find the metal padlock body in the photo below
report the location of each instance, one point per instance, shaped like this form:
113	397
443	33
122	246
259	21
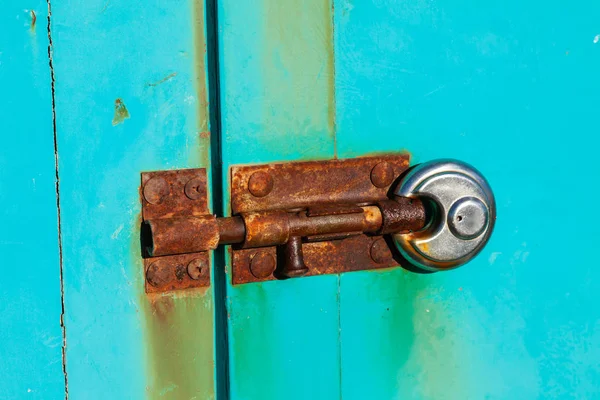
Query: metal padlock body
463	213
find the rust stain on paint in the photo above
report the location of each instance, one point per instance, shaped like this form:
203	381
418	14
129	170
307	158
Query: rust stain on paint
180	345
121	112
33	20
298	68
201	81
180	325
178	340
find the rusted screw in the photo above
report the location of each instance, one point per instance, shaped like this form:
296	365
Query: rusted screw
262	264
260	184
196	268
195	189
380	251
382	174
156	189
180	271
158	274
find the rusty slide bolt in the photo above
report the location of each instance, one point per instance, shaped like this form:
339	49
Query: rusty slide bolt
293	264
169	236
402	215
181	235
266	228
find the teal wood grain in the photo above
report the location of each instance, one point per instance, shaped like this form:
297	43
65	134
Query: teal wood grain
130	97
30	299
511	87
276	80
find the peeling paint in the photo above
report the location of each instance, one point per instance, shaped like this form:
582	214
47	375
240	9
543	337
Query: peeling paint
163	80
201	82
121	112
33	20
298	68
180	345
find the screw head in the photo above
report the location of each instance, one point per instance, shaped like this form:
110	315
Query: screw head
196	268
382	174
156	189
262	264
158	274
260	184
195	189
380	251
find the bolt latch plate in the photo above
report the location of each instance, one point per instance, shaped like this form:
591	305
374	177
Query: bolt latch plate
174	194
320	188
298	185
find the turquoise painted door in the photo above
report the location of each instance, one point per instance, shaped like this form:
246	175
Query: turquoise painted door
510	87
31	332
131	95
99	91
96	92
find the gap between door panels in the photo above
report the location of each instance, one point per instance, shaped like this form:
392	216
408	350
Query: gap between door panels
217	191
216	195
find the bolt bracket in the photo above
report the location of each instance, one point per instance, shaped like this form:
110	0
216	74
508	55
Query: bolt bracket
288	220
174	195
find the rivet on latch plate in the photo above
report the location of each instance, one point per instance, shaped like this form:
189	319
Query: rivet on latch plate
158	273
382	174
380	251
174	258
262	264
156	189
260	184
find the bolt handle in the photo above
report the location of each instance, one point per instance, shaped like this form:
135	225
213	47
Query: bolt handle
463	212
293	263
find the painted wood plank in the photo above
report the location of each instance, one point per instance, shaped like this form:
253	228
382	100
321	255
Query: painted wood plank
276	80
131	96
30	297
511	88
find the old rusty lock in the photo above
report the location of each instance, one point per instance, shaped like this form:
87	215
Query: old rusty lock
440	214
461	213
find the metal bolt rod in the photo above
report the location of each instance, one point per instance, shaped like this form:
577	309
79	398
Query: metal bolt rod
277	227
367	221
231	230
